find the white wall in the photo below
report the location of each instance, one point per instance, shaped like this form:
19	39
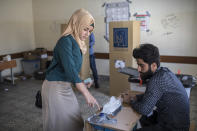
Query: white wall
21	31
16	28
48	17
172	26
172	29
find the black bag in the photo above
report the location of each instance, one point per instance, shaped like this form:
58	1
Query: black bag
38	102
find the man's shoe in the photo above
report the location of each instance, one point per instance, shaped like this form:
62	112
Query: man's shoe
96	85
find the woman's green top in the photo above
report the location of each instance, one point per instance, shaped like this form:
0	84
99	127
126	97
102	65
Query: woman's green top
66	62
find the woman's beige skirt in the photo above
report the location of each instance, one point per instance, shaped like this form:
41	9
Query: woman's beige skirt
60	108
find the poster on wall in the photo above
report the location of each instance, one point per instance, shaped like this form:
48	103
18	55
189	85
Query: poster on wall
145	20
120	37
116	11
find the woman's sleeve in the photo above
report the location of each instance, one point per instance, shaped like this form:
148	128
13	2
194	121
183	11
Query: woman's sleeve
65	55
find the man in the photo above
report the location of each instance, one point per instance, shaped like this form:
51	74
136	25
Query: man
163	91
92	60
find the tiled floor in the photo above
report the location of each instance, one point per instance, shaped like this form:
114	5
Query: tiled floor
18	112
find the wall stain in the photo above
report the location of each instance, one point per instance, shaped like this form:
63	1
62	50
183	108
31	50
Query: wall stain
170	21
168	33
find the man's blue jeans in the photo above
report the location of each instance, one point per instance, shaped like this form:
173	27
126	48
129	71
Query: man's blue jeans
93	68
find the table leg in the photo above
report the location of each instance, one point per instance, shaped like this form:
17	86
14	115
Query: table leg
0	77
88	127
12	76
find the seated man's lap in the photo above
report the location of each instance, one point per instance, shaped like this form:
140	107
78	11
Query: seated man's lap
150	123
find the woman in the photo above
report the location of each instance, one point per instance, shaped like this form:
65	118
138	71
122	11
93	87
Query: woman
61	110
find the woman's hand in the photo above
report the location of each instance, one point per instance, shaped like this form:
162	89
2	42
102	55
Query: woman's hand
88	82
91	101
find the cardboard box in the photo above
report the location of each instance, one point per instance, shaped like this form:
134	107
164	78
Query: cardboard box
85	69
124	37
126	121
30	56
43	64
118	81
63	27
40	51
133	38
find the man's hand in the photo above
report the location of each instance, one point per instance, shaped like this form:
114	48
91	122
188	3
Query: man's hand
88	82
127	98
133	98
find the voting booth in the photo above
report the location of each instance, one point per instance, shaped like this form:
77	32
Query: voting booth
124	37
85	69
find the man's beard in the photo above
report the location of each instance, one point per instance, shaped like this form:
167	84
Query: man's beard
146	75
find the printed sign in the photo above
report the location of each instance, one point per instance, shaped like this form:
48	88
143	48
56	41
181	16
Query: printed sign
120	37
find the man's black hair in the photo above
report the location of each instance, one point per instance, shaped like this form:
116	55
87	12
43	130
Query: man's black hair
148	53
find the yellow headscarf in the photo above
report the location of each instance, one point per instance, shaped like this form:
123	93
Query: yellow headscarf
78	21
